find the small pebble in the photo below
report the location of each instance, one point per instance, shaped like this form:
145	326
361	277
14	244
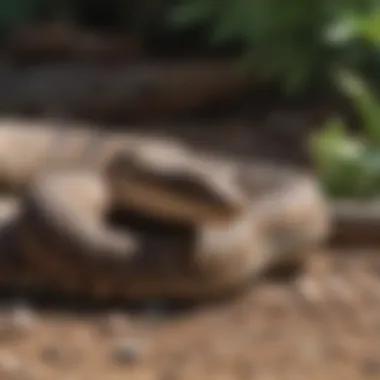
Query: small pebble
126	353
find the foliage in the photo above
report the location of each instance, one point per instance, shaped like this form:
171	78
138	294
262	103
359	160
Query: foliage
16	13
296	41
349	166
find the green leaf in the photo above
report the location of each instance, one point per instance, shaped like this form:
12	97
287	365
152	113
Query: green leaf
333	144
365	103
341	162
368	27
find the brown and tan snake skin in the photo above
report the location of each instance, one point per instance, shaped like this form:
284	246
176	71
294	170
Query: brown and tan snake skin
197	225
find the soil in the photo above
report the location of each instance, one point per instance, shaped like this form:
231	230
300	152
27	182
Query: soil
323	323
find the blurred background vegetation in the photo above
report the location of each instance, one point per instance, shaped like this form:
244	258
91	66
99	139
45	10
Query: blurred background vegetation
298	45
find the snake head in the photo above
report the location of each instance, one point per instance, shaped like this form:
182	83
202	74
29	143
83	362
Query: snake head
170	182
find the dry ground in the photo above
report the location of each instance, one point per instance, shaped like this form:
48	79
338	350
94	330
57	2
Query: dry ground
322	324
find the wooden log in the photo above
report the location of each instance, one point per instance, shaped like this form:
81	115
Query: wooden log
53	42
137	93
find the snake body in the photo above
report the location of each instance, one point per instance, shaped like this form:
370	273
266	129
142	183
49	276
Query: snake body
214	222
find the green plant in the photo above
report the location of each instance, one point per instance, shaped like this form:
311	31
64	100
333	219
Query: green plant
348	165
295	42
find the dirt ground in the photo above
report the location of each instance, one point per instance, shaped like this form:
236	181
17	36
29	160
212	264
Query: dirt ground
323	323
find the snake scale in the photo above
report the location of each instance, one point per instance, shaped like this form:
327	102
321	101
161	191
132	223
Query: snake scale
198	225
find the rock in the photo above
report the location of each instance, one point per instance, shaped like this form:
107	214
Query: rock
57	41
127	353
140	93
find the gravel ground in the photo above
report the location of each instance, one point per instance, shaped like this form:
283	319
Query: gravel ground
322	324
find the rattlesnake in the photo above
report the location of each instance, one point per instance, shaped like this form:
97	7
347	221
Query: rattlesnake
231	218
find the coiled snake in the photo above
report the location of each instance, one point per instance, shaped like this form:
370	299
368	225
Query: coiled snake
196	225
